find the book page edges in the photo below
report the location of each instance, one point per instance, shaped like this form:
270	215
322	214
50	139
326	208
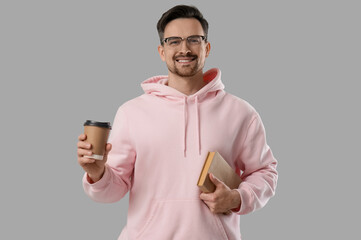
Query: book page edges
204	173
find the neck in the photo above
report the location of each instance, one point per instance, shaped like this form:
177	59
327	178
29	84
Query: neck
186	85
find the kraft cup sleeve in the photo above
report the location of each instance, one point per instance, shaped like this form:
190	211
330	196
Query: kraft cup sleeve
95	156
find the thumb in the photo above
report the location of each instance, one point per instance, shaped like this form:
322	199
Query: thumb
215	180
107	149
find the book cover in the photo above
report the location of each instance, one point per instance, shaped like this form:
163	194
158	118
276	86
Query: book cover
219	167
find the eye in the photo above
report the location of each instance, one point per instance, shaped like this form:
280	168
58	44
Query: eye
175	41
194	40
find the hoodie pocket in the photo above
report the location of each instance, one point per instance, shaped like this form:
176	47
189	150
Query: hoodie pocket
181	219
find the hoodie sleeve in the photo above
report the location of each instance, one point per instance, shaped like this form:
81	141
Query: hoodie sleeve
115	182
259	169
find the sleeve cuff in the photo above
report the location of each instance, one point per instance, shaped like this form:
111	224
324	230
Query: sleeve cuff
246	196
101	184
239	207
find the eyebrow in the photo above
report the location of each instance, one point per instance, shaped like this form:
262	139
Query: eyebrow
195	35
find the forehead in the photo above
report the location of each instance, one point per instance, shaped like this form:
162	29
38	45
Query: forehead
183	27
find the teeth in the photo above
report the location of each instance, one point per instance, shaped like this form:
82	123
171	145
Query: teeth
184	61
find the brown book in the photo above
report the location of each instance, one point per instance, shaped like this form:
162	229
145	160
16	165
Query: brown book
216	165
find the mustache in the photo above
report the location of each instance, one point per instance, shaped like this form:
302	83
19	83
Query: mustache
185	56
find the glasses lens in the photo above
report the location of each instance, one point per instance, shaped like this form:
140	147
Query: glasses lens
174	41
194	40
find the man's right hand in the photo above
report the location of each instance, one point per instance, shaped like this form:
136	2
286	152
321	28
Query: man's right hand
94	168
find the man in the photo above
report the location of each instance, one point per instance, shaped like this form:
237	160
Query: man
160	140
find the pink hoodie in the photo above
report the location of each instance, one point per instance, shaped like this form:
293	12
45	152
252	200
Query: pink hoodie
160	141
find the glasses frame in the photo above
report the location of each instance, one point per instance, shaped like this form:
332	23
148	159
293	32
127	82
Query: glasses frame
165	40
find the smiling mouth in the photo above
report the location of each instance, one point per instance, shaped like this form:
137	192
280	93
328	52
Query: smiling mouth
185	60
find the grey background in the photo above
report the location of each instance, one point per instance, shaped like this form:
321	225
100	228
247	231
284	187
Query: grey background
296	62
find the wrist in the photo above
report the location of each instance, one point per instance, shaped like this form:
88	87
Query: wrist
236	201
93	178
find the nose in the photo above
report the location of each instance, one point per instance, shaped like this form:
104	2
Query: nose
183	48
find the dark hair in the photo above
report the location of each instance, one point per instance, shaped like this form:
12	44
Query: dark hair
180	11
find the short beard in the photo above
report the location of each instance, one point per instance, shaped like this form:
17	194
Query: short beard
190	73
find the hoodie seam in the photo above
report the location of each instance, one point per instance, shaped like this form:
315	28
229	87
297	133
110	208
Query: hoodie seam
248	129
129	132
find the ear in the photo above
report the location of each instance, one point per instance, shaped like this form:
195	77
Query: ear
208	49
161	52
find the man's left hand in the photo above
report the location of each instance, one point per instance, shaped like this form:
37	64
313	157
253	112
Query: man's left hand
223	199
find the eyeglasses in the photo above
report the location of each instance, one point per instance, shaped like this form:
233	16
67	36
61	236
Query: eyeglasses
191	40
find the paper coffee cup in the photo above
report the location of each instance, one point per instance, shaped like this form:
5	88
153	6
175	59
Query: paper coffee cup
97	135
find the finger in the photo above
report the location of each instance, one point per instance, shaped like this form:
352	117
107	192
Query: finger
206	197
108	147
214	209
209	204
215	180
84	152
83	161
84	145
82	137
203	197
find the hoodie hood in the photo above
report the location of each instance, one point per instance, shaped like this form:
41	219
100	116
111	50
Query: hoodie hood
157	86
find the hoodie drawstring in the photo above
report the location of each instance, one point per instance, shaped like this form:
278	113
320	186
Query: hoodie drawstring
185	106
185	126
198	127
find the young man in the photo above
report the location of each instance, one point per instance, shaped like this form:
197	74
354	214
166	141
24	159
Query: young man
160	140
